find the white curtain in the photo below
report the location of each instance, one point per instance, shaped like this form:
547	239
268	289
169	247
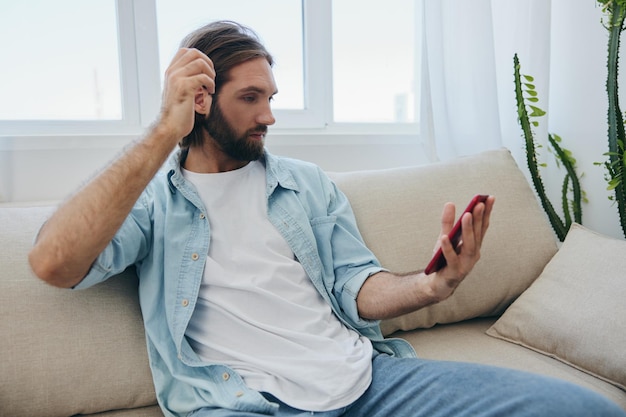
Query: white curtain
468	72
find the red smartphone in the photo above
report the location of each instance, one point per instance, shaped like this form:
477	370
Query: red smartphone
439	261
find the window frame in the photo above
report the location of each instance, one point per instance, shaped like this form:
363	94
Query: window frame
141	85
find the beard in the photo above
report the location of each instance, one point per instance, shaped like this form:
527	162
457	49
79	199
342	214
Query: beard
240	148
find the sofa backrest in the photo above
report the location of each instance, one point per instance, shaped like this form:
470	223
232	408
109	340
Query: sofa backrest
399	214
65	352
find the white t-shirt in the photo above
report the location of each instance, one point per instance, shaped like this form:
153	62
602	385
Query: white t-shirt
259	313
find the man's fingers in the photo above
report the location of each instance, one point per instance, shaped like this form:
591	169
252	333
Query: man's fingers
447	222
481	215
193	65
477	224
447	218
491	200
188	79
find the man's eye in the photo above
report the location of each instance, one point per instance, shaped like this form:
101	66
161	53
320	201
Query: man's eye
249	99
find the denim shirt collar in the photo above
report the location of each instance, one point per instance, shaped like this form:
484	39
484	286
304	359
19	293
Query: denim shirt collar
276	174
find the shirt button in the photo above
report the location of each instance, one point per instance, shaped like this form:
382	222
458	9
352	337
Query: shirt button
194	256
185	302
225	376
239	394
201	216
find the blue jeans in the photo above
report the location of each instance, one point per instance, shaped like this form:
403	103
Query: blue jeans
417	387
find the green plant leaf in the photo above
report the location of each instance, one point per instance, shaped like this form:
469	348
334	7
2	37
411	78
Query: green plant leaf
528	78
537	112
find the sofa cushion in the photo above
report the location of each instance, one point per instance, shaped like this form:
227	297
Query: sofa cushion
399	214
467	342
65	352
575	310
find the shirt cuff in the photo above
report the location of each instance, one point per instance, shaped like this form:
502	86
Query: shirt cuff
350	293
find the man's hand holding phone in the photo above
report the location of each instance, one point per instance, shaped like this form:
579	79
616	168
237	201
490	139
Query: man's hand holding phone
438	261
459	244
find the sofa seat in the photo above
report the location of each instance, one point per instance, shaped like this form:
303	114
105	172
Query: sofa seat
467	342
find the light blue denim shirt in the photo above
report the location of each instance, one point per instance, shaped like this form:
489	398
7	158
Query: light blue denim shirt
167	237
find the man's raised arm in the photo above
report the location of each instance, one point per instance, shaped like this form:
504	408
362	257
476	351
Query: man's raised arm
80	229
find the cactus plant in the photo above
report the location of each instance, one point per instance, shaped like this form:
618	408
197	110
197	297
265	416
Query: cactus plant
526	98
616	163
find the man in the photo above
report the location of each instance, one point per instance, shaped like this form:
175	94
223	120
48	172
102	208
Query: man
258	294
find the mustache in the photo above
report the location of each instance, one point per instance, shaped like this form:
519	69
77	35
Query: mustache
258	129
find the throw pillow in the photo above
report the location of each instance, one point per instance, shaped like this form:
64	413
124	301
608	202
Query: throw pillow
575	310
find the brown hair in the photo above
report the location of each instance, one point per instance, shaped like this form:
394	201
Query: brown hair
227	44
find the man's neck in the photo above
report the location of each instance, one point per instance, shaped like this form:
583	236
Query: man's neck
209	160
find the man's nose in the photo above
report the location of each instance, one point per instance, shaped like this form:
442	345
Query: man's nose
266	117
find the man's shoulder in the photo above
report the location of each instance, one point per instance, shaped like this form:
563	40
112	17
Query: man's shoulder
297	168
291	171
159	182
290	163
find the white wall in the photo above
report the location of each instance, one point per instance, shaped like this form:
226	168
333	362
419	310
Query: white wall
35	169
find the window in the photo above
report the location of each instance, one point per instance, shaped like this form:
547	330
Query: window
70	68
60	61
374	61
341	65
281	31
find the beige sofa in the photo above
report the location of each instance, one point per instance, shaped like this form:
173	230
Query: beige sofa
66	353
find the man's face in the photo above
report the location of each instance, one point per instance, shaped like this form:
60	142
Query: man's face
241	111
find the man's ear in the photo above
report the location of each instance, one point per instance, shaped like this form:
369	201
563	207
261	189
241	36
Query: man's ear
202	101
